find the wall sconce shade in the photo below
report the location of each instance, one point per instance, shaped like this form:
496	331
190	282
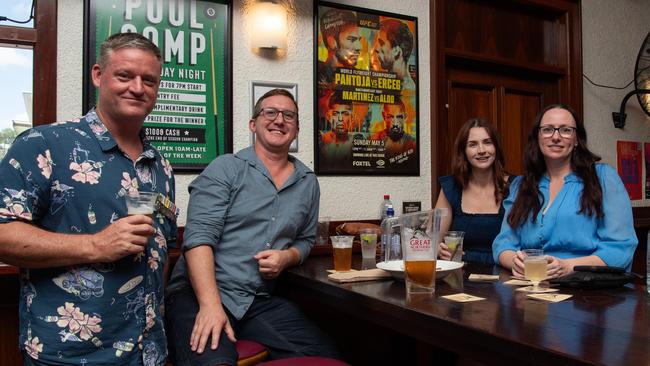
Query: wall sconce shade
269	26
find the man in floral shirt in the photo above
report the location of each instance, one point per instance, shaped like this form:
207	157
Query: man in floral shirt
91	276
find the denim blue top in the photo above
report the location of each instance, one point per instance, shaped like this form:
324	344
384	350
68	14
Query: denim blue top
71	178
236	209
563	232
480	229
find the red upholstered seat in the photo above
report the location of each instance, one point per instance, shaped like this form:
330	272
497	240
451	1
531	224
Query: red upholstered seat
305	361
250	352
248	348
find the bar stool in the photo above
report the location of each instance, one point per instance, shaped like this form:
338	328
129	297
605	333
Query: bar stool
304	361
250	352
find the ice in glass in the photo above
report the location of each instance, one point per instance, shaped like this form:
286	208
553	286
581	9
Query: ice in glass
454	241
368	243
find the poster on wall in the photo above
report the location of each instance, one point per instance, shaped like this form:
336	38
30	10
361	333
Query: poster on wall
191	123
628	156
366	92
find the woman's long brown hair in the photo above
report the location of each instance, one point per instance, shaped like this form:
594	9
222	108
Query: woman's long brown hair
583	163
462	169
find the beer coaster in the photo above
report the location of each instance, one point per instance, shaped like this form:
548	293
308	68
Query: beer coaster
335	271
517	282
550	297
475	277
462	297
539	290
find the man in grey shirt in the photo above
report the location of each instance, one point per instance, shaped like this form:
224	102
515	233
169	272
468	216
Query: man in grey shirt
250	216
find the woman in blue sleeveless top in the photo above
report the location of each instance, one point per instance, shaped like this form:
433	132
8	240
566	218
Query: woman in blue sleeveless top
474	192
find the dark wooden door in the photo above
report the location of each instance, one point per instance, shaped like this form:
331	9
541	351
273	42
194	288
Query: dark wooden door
502	61
509	102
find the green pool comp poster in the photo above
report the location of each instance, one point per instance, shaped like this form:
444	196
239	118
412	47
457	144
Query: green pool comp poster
191	122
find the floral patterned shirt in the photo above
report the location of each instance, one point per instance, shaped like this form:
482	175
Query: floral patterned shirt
72	178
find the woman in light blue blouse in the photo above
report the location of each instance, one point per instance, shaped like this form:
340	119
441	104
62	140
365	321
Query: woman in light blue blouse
573	208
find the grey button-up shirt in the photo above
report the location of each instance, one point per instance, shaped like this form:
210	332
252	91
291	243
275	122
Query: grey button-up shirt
236	208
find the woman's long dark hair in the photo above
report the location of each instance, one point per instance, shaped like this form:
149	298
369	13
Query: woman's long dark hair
583	163
462	169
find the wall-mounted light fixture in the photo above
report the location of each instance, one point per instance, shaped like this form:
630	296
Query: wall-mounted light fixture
619	117
641	84
269	25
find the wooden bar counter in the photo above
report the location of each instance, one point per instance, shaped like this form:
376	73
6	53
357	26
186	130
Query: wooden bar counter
610	327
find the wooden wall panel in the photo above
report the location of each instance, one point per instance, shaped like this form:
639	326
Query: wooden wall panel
519	110
465	101
44	105
469	101
9	352
505	30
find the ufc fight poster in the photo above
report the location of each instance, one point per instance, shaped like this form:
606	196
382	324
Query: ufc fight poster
366	92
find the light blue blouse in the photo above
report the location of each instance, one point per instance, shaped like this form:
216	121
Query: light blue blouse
564	233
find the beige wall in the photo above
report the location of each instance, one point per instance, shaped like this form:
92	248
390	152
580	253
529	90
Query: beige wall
612	33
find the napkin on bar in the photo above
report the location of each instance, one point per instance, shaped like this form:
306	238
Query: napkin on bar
356	276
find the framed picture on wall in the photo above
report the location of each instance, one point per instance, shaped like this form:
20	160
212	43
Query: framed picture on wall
258	88
191	123
366	91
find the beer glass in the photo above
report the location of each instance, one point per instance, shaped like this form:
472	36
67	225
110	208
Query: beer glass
534	266
420	233
342	252
141	203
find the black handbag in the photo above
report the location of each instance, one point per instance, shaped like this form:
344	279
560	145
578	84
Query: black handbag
595	277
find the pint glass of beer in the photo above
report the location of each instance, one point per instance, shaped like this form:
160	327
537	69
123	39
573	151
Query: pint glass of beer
342	250
420	233
141	203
